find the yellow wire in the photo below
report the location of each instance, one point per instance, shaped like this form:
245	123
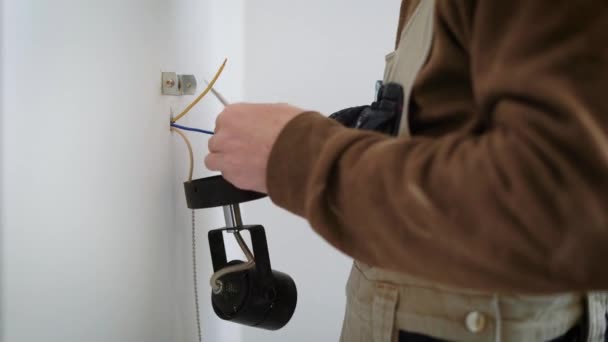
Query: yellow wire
189	151
200	97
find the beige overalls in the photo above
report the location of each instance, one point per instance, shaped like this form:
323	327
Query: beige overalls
380	303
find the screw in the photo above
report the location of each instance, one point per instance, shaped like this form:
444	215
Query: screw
169	83
188	85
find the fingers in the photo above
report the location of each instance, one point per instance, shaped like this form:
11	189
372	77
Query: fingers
226	115
233	112
219	162
219	121
212	143
213	162
216	144
222	142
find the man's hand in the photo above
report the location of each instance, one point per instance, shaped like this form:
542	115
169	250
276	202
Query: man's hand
244	136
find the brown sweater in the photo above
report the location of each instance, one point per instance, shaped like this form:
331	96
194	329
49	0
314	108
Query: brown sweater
504	184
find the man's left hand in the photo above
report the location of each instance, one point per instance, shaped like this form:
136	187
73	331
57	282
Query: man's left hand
244	137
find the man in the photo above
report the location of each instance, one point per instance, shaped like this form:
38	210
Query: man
487	218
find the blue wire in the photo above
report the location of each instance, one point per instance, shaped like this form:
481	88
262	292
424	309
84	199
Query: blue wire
191	129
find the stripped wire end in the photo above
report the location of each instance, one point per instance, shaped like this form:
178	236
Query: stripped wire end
200	97
217	95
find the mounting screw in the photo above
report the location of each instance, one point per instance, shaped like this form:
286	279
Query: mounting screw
177	85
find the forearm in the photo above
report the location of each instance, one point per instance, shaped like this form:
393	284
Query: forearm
478	212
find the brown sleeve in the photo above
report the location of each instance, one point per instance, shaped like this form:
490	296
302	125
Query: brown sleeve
517	203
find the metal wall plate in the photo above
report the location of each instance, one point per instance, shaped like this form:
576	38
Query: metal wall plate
187	84
177	85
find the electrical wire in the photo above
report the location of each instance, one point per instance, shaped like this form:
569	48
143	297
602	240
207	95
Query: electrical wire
190	154
191	129
216	284
217	95
200	97
243	245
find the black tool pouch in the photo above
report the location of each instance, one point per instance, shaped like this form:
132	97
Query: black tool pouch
383	115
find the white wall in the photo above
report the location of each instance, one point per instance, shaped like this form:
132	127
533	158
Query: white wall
2	21
103	253
94	235
87	178
322	55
